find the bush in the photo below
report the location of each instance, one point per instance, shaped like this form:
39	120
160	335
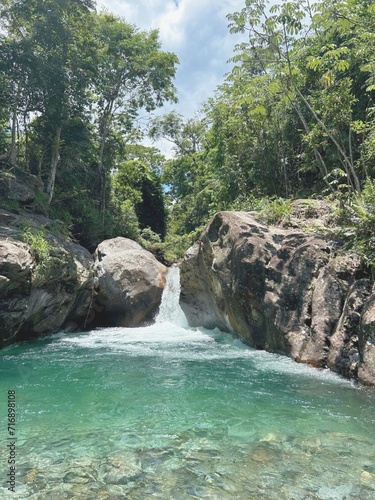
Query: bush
41	248
277	211
358	224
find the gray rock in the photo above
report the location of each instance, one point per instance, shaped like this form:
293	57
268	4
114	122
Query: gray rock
283	290
19	186
65	291
36	299
366	371
130	283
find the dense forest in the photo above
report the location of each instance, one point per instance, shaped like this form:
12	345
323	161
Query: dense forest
295	118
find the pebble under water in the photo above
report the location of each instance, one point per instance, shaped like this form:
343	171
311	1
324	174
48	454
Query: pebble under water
171	412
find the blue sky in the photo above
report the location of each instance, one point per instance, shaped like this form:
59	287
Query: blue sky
195	30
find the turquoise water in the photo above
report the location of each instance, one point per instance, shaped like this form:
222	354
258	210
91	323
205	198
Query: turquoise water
169	412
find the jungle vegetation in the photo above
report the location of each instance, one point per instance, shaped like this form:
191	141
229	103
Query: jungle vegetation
294	118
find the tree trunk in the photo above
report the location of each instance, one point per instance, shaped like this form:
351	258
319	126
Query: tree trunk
26	129
318	157
101	170
13	147
346	161
54	162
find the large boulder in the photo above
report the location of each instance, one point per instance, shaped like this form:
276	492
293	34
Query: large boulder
130	283
19	186
40	295
283	290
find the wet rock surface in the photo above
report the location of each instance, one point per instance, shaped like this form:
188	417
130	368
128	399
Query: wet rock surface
282	290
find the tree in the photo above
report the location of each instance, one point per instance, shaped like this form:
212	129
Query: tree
187	138
132	73
137	186
45	44
280	42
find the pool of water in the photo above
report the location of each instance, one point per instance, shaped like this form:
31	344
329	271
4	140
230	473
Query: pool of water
170	412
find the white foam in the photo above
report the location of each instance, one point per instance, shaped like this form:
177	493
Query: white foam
171	338
173	342
170	310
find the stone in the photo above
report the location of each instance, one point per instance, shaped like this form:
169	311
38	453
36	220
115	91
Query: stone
130	283
366	371
123	469
283	290
19	186
344	353
35	299
66	292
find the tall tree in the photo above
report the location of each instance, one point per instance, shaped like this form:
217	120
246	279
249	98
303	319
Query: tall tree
280	37
133	72
137	181
45	44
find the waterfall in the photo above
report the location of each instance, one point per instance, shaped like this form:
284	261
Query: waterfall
170	310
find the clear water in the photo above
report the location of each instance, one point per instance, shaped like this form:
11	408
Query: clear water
169	412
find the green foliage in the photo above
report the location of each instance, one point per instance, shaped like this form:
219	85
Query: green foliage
127	221
295	117
175	246
137	181
250	203
147	234
41	248
38	243
358	224
40	202
11	205
276	211
72	83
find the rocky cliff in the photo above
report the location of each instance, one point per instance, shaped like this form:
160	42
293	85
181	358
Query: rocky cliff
48	282
284	290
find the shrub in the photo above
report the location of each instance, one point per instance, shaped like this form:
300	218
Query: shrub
358	224
41	248
277	211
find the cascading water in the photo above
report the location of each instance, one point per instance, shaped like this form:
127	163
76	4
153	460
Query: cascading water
172	412
170	310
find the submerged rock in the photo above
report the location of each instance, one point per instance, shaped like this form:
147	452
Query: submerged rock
282	290
130	283
122	469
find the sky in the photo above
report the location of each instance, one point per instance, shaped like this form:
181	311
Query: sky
196	31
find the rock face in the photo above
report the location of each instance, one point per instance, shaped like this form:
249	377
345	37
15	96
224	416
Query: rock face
366	371
282	290
40	296
130	283
66	288
19	186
